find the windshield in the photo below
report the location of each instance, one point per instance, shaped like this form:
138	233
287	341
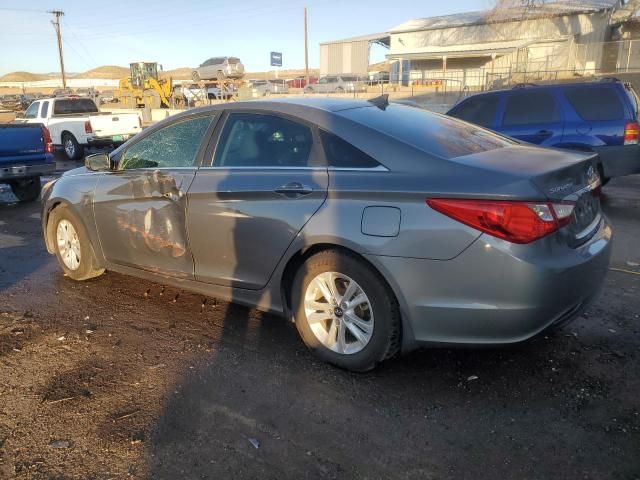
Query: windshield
432	133
233	60
74	105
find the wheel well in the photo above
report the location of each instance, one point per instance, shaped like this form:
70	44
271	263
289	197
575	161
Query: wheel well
296	261
67	132
48	231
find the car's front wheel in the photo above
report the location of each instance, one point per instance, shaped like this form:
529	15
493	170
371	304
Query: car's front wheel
344	311
72	245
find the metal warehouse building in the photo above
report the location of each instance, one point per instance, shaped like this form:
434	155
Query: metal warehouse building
480	48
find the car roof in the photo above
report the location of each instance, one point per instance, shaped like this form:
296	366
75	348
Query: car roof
310	103
528	87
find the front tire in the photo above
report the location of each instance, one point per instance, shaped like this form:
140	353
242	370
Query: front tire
72	148
26	189
345	312
71	244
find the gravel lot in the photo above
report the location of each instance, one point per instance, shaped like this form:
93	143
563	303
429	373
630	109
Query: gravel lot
122	378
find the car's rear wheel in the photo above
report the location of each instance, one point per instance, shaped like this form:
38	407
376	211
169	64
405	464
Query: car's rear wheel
339	90
26	189
72	148
72	245
195	76
344	311
308	90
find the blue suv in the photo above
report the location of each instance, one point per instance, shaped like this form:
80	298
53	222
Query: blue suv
597	117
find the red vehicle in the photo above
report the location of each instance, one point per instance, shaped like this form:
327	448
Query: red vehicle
300	82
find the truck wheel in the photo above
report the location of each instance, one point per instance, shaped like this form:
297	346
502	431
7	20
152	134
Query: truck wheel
71	244
26	189
195	76
72	148
344	311
220	75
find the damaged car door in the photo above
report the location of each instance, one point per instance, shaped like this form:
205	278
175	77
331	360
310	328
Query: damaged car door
140	207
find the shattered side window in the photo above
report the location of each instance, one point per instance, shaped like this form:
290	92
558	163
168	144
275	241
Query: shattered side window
174	146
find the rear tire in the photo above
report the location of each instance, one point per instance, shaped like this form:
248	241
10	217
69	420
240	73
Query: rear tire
71	245
26	189
369	316
72	148
195	76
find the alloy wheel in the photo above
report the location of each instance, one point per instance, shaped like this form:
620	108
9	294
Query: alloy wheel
339	313
69	148
68	244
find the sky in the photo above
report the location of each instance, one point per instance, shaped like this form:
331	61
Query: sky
184	34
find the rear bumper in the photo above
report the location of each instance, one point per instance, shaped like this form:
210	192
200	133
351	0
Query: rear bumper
106	141
17	171
496	292
621	160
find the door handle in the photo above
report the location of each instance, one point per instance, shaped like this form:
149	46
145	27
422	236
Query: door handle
294	189
544	133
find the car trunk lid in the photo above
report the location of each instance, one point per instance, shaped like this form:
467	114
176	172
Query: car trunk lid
563	177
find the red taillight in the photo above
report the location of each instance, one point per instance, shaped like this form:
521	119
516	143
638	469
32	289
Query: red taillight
631	133
87	127
516	222
46	138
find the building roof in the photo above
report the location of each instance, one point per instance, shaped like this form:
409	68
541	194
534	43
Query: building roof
560	7
374	37
465	50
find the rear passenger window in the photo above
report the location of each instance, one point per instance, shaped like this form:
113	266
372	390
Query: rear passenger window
44	110
255	140
595	103
341	154
479	110
530	108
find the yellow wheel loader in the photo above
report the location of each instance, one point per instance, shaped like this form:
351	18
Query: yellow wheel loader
143	88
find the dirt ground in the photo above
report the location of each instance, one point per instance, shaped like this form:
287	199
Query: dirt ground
122	378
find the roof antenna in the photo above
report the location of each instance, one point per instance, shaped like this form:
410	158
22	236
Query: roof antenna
382	101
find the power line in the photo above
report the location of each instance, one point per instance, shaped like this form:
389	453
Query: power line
80	43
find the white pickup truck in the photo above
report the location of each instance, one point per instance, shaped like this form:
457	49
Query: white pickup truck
76	123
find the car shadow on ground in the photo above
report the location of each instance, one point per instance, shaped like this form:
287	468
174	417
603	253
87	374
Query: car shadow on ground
21	252
265	408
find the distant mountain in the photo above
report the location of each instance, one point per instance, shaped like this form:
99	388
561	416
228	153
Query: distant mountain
113	72
23	77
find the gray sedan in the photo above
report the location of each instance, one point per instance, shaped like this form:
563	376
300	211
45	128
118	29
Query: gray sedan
377	227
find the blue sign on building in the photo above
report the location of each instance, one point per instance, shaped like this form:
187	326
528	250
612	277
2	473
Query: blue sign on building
276	59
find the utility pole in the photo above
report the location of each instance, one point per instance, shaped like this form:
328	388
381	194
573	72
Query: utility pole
306	50
56	25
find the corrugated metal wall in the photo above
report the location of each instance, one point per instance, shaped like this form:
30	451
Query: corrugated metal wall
347	57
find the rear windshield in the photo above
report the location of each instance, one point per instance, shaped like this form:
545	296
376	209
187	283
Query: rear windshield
595	103
432	133
75	105
233	60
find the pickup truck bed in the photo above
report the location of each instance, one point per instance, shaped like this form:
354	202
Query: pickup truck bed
25	155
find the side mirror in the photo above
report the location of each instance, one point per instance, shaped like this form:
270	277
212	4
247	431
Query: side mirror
160	67
98	162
